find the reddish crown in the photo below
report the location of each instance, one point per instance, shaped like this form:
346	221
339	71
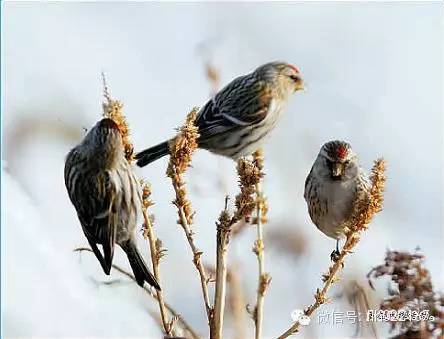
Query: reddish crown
341	152
294	68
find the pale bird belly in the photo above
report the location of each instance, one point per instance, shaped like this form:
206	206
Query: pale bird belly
253	137
340	199
128	204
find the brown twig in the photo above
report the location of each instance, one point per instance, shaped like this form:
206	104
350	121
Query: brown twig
223	238
249	176
181	150
263	277
156	254
175	315
359	224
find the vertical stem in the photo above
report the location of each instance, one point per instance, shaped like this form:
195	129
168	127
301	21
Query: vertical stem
155	260
197	262
221	281
259	246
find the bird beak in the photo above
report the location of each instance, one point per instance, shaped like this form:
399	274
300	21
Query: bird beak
337	169
300	85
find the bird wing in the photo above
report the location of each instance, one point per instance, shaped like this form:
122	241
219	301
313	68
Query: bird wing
243	102
93	197
311	197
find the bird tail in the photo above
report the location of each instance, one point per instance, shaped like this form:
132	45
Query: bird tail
152	154
139	267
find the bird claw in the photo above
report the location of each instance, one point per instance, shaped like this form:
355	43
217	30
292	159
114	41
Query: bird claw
334	256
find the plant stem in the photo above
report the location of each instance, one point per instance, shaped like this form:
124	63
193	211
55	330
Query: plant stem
155	257
259	249
197	262
223	238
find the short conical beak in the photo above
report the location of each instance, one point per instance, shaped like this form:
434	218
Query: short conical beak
337	169
300	85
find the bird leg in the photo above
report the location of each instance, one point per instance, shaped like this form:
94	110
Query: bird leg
334	256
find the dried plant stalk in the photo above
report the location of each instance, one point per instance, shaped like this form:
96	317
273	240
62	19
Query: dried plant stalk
263	277
156	254
223	238
174	314
181	149
249	176
359	224
112	109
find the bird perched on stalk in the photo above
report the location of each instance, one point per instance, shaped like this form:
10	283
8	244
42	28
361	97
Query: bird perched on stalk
236	120
334	189
106	196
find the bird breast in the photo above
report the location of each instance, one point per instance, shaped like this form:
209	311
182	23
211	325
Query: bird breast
338	198
127	201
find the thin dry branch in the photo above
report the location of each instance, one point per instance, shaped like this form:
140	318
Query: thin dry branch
223	238
181	149
174	314
264	278
249	176
156	254
359	224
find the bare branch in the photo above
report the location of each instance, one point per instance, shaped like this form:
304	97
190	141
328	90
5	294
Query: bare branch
181	150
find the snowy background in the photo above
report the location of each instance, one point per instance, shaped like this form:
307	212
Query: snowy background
374	73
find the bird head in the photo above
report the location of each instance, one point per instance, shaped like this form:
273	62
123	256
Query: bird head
287	77
104	141
337	161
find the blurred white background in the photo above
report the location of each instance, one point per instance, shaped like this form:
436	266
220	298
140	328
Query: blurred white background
374	73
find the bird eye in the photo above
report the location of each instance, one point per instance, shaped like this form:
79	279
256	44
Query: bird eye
329	163
294	77
346	162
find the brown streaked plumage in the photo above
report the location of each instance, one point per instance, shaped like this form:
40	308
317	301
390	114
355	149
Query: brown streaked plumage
106	195
236	120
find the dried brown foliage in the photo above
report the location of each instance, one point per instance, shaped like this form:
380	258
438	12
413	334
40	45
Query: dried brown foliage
182	148
410	289
113	109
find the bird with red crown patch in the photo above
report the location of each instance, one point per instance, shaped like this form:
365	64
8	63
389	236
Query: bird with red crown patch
333	189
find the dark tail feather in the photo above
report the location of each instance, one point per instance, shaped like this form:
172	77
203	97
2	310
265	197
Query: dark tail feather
152	154
138	265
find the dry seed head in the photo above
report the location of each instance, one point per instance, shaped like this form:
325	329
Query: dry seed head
249	176
112	109
371	206
184	144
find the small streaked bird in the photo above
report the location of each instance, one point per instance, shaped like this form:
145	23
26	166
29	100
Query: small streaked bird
236	120
106	195
334	189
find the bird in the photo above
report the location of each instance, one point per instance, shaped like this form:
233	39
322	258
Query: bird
334	190
105	192
235	121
